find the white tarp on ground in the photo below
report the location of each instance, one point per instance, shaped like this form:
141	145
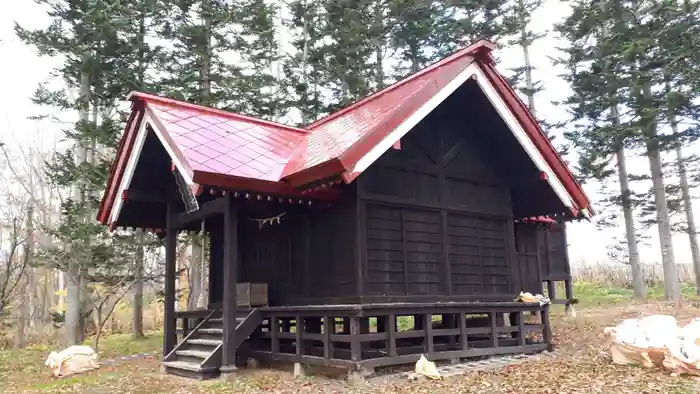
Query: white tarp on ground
72	360
657	341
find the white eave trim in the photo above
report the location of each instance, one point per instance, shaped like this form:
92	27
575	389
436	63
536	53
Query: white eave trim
517	129
133	161
502	109
408	124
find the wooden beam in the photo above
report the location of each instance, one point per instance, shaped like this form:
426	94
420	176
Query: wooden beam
217	206
169	334
141	196
228	356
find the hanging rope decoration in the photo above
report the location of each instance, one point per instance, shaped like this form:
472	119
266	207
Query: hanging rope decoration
271	220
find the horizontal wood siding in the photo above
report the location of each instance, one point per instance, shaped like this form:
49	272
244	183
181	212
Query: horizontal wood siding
423	251
478	254
527	237
386	258
403	251
554	260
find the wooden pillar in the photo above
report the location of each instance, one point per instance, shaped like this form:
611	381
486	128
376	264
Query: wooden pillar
463	340
216	260
169	332
429	346
228	355
547	328
390	327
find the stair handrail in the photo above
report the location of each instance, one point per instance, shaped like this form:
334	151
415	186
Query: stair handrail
216	353
184	340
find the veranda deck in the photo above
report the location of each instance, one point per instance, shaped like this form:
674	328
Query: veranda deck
362	337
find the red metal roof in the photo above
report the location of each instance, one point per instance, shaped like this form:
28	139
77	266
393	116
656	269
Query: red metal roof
228	150
219	142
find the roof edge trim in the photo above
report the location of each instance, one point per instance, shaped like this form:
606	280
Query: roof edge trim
129	171
122	156
170	147
171	102
518	130
367	159
481	45
553	158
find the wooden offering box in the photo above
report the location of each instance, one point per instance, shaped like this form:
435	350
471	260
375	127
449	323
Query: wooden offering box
251	294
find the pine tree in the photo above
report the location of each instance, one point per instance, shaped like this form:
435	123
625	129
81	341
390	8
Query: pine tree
200	32
90	37
348	52
519	19
597	77
678	42
642	55
256	85
304	69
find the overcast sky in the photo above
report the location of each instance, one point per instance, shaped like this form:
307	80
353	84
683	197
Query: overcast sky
21	70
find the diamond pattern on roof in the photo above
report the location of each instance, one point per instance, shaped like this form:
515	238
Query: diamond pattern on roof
229	145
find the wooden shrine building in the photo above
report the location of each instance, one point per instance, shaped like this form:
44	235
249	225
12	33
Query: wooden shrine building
404	224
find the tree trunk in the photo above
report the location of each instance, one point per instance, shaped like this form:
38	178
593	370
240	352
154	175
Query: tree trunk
73	318
304	61
529	84
415	66
671	286
23	311
630	231
195	273
202	298
25	292
137	317
379	43
688	208
205	76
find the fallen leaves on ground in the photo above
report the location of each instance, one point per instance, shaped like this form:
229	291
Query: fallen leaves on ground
581	364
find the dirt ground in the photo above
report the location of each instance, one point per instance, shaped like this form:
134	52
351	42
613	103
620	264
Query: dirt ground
581	364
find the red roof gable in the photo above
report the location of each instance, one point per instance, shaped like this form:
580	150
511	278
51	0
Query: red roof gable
227	150
346	134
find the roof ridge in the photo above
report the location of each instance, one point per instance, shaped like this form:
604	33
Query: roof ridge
234	115
486	44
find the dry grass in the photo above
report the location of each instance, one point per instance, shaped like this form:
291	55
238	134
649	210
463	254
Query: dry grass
580	365
620	275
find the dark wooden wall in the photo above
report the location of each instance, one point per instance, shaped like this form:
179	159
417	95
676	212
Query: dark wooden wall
309	257
542	254
437	217
554	260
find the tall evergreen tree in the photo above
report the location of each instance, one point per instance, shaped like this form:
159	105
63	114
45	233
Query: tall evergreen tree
304	69
678	43
86	36
519	21
597	77
641	53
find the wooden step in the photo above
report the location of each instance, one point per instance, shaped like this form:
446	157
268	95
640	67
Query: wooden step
193	353
214	331
183	365
205	342
219	320
189	370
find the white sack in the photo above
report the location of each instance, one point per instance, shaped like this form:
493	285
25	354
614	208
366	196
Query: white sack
72	360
